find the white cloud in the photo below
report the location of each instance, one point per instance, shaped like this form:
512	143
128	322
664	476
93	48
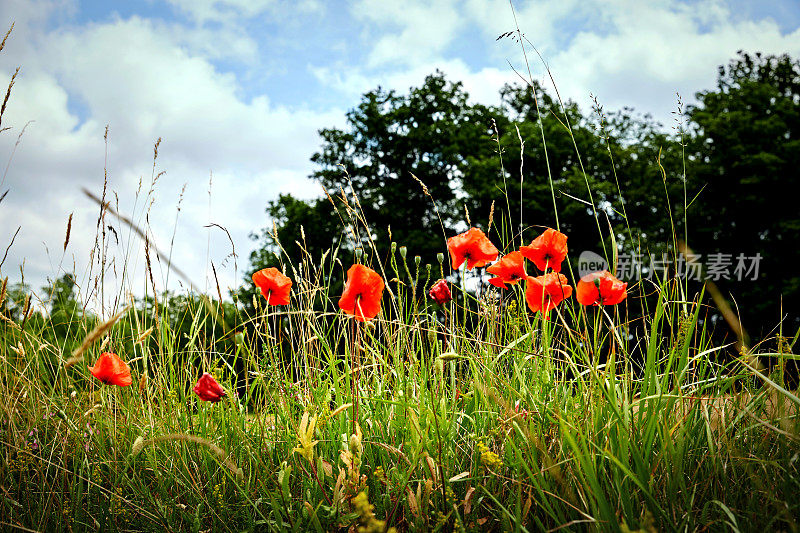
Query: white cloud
542	22
635	54
424	29
482	85
655	50
203	11
144	84
224	43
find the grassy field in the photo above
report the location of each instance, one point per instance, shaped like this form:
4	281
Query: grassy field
473	415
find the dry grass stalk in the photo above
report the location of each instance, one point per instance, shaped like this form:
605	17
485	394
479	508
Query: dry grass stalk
425	190
3	44
69	228
152	279
4	292
9	321
138	445
721	411
26	308
143	336
8	95
106	206
219	292
93	335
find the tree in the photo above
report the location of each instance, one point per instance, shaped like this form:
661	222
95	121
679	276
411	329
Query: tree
468	155
299	227
745	159
432	133
591	175
65	311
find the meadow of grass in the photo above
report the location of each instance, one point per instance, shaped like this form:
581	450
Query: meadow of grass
473	415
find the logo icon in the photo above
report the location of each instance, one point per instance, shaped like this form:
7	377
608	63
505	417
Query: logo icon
589	262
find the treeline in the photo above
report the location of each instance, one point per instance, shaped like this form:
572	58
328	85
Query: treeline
416	167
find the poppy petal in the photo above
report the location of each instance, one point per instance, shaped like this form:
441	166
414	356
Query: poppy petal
274	285
362	293
472	247
111	370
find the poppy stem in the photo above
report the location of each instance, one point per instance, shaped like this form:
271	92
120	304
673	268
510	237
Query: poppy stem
353	372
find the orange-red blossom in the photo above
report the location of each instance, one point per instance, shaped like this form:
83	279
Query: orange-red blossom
362	293
111	370
544	293
548	250
274	285
600	288
510	269
472	246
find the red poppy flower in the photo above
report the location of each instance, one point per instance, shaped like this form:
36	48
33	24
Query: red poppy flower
111	370
544	293
600	288
440	292
547	250
274	285
208	389
510	269
362	293
473	247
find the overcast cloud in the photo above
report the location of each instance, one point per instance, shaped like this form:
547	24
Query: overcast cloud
238	89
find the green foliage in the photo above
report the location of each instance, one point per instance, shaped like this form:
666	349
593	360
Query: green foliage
470	155
428	133
472	416
745	152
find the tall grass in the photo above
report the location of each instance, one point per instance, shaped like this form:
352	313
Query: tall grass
476	415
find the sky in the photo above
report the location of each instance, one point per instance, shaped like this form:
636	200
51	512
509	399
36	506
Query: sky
237	91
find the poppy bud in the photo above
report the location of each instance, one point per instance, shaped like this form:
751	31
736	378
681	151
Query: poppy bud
440	292
208	389
440	257
417	260
403	251
431	336
394	247
359	253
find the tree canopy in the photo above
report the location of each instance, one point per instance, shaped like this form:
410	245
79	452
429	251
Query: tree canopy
412	167
744	160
